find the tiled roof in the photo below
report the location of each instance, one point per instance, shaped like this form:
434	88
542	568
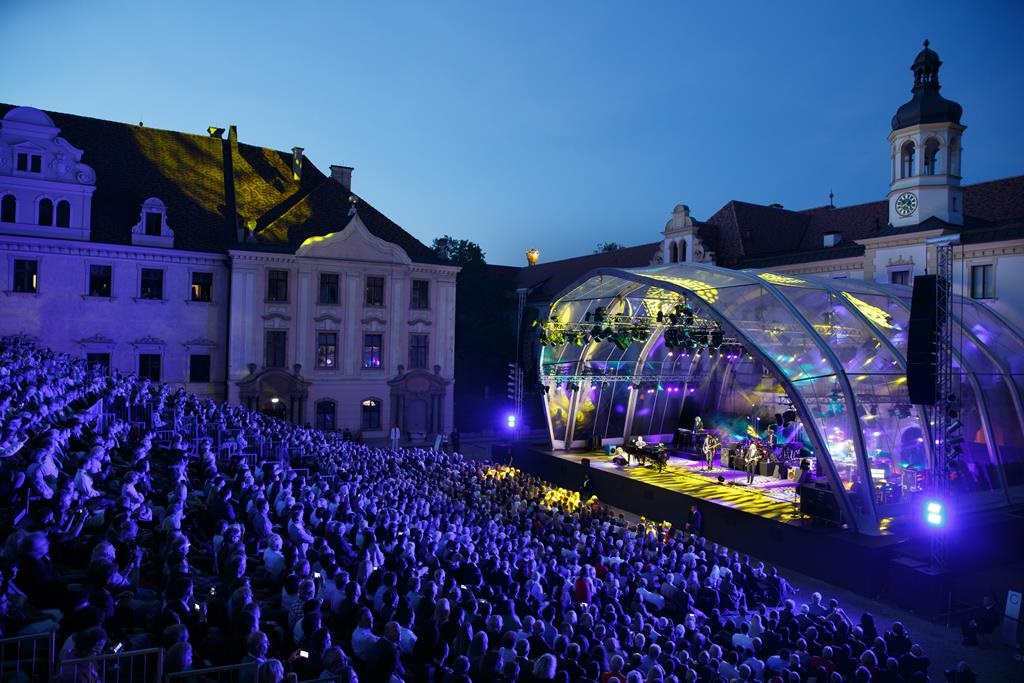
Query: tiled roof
186	172
546	279
326	209
753	235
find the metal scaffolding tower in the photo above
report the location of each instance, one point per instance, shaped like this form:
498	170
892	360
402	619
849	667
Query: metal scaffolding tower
945	418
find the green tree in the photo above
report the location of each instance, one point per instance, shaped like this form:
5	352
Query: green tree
484	339
605	247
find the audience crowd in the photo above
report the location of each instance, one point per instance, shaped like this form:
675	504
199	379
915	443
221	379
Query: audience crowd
137	516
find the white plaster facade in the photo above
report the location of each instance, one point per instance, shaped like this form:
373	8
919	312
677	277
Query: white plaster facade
63	315
353	255
165	295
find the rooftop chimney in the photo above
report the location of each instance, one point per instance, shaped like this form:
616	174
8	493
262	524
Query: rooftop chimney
343	174
296	163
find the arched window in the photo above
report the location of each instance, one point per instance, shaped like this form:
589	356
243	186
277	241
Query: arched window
931	157
63	214
907	159
954	157
682	252
46	212
370	414
673	253
9	209
325	412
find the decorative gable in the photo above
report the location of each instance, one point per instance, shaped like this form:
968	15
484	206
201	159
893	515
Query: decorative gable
152	229
45	188
353	243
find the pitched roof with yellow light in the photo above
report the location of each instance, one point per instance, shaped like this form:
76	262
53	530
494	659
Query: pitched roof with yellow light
187	172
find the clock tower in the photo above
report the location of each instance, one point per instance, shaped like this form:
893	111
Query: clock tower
926	149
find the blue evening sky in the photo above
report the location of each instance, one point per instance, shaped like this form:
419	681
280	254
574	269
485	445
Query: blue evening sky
548	124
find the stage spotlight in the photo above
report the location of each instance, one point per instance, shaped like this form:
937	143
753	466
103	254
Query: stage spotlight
953	426
599	314
935	513
660	317
510	421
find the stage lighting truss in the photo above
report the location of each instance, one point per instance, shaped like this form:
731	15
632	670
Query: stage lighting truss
681	330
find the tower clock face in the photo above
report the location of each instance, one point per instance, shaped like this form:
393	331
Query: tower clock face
906	204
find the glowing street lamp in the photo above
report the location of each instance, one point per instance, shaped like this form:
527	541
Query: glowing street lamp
532	256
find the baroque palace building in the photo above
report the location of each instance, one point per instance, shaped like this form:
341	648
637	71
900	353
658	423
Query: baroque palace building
235	271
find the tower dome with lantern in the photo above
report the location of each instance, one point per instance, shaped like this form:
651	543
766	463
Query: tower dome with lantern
926	148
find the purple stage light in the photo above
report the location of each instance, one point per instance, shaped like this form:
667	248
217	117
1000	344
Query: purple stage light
935	513
510	421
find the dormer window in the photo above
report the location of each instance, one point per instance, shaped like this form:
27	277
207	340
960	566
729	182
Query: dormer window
154	223
152	229
30	163
833	238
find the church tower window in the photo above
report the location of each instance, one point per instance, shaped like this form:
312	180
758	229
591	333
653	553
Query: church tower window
907	159
931	157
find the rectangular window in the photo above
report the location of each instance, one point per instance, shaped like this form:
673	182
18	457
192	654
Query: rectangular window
26	276
30	163
277	285
100	280
199	367
152	284
327	350
420	294
329	288
370	414
149	366
417	351
275	342
154	222
202	286
899	277
372	346
101	360
374	290
983	283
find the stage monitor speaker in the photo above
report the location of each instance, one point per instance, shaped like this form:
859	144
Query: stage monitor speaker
585	462
817	501
922	340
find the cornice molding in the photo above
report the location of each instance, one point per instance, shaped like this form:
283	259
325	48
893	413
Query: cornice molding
102	250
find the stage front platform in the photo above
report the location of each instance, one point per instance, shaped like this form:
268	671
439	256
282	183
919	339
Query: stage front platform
761	520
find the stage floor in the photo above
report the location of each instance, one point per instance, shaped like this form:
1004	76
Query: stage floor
767	497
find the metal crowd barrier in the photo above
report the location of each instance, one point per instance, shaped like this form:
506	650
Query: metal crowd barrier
221	674
135	666
28	656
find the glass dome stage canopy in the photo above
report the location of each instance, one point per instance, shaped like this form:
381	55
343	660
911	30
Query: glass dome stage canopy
641	351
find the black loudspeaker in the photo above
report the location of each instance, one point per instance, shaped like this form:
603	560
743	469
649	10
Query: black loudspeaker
922	340
916	586
818	501
585	462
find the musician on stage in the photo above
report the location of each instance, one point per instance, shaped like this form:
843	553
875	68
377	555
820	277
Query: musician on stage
698	424
710	446
751	462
